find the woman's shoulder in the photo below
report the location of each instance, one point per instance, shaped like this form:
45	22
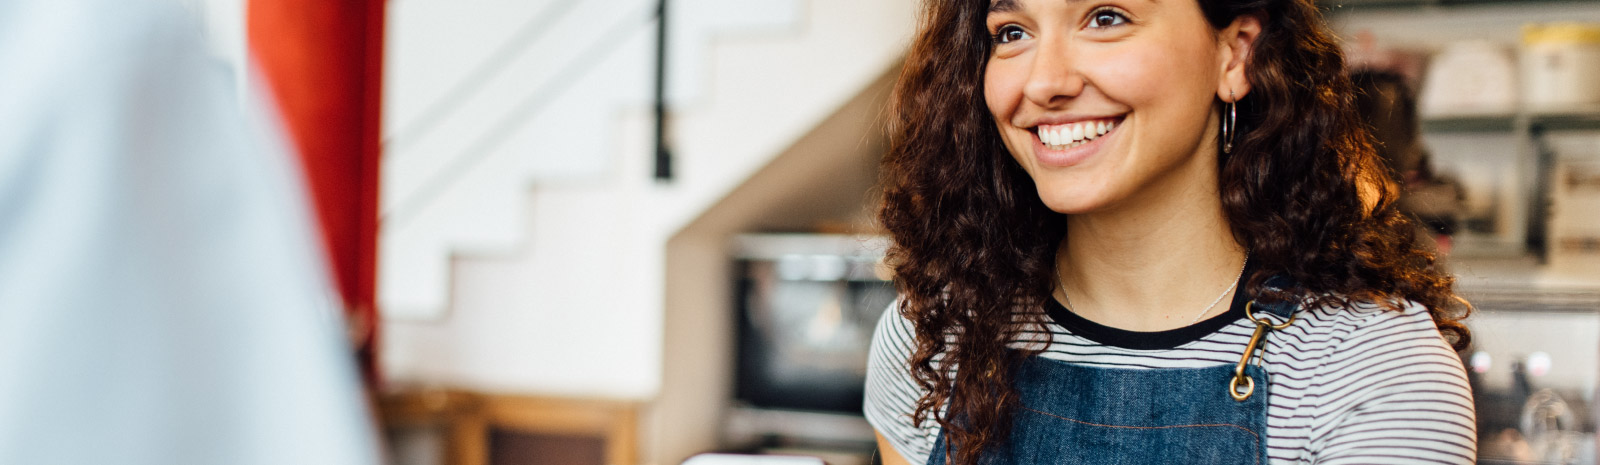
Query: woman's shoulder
1386	380
1339	340
1397	349
1344	321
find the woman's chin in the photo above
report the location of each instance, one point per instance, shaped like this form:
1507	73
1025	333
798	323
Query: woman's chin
1072	202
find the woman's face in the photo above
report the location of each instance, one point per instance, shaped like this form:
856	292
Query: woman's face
1104	102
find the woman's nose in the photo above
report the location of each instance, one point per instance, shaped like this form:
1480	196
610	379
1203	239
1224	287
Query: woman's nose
1053	78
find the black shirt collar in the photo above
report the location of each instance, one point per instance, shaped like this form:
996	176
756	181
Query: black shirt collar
1150	340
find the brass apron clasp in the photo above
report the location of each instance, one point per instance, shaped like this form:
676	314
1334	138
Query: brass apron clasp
1238	392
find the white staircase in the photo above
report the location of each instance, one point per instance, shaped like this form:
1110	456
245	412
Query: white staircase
523	239
489	98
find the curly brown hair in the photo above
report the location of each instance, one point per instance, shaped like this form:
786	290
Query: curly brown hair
1303	191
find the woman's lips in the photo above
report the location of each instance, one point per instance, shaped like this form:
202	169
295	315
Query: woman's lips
1068	144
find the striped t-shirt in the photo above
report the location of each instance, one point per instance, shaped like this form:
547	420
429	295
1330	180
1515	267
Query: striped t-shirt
1353	385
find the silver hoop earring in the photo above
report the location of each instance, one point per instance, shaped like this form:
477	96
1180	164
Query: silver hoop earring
1229	124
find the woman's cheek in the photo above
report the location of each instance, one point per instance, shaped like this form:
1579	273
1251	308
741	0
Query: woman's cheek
1002	91
1003	85
1125	75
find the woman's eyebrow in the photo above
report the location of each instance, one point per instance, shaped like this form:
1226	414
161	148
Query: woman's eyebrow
1003	6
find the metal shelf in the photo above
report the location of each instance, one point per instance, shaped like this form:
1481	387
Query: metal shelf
1458	123
1569	118
1534	299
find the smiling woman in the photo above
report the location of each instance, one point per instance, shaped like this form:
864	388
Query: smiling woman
1070	185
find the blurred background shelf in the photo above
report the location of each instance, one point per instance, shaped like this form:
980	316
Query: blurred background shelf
1575	118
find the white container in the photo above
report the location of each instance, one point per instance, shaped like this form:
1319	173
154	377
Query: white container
1560	65
1573	232
1574	235
1469	78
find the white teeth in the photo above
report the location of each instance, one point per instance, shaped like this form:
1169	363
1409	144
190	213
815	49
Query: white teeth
1073	135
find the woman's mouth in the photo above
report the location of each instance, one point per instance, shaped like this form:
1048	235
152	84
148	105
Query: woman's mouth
1064	145
1066	136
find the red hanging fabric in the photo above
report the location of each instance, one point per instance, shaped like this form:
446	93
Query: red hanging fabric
323	61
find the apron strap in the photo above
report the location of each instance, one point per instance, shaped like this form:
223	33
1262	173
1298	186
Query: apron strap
1283	310
1241	386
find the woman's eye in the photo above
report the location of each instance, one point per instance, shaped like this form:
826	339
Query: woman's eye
1106	18
1009	33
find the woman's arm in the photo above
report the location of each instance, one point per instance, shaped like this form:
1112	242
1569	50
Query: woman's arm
892	392
887	453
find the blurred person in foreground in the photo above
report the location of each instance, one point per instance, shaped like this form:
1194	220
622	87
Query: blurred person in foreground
162	300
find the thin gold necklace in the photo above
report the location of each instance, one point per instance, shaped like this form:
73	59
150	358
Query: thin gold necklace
1063	283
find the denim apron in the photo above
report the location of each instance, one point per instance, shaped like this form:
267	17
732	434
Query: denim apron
1079	414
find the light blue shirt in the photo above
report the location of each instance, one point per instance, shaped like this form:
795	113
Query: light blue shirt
162	297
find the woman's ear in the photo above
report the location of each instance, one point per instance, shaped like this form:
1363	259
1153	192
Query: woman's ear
1236	43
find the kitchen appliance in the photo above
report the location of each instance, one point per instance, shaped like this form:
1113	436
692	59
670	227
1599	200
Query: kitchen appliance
807	306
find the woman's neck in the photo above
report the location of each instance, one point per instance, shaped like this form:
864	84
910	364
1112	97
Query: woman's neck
1150	265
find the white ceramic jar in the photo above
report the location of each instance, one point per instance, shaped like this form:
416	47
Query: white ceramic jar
1467	78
